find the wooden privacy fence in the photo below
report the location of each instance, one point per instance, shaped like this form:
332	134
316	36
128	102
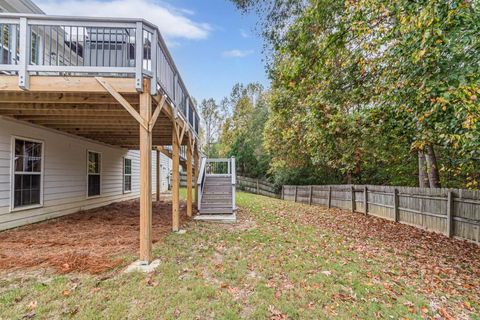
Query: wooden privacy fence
257	186
453	212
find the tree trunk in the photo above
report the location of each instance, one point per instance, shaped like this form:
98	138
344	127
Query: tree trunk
349	177
433	175
422	171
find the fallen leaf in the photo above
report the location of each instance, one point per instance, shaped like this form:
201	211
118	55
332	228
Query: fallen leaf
32	305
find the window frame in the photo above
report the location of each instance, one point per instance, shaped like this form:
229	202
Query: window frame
127	175
13	173
99	174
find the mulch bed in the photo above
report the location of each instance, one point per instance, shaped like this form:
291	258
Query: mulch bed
91	241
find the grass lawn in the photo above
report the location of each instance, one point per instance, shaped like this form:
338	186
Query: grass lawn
282	260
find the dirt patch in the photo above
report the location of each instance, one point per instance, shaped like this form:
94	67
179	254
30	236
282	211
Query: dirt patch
92	241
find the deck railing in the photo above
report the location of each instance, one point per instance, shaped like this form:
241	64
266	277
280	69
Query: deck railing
82	46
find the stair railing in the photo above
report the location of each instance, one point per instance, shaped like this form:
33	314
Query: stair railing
219	167
201	181
233	172
216	167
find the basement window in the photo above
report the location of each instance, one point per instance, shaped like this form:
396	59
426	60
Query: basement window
28	172
127	175
94	173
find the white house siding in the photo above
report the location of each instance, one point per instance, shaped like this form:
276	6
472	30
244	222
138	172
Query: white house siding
65	174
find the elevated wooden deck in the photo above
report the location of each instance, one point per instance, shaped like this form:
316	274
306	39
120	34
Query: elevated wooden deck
109	80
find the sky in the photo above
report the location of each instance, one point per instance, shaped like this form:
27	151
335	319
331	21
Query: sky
214	46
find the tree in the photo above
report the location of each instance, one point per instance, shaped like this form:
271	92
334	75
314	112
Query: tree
211	115
242	130
372	89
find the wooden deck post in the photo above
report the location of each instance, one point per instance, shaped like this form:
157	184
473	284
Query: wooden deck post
145	176
175	177
189	178
159	167
196	168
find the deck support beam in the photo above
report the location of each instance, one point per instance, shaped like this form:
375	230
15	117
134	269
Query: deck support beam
124	103
189	176
145	176
175	177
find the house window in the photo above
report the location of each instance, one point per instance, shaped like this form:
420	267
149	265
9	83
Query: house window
94	162
35	48
127	175
27	173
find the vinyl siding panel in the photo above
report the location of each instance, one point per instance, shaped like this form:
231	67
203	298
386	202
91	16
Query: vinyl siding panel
65	174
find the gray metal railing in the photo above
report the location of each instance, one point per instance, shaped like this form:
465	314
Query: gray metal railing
81	46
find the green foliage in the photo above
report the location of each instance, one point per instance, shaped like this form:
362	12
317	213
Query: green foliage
212	117
359	87
242	131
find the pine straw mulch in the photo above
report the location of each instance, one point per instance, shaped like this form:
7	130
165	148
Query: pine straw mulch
91	241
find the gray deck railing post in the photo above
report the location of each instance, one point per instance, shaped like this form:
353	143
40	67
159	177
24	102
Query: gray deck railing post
153	86
139	56
450	208
24	48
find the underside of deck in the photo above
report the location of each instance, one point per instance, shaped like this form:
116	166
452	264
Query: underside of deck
111	111
81	106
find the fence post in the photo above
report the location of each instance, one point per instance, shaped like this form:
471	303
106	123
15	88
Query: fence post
329	197
395	205
257	186
353	198
310	197
365	200
296	187
283	192
450	208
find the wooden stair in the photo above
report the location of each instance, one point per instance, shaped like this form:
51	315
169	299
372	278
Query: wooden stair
217	203
217	195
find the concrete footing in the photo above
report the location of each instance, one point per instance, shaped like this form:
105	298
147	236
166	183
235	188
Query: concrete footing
143	266
219	218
